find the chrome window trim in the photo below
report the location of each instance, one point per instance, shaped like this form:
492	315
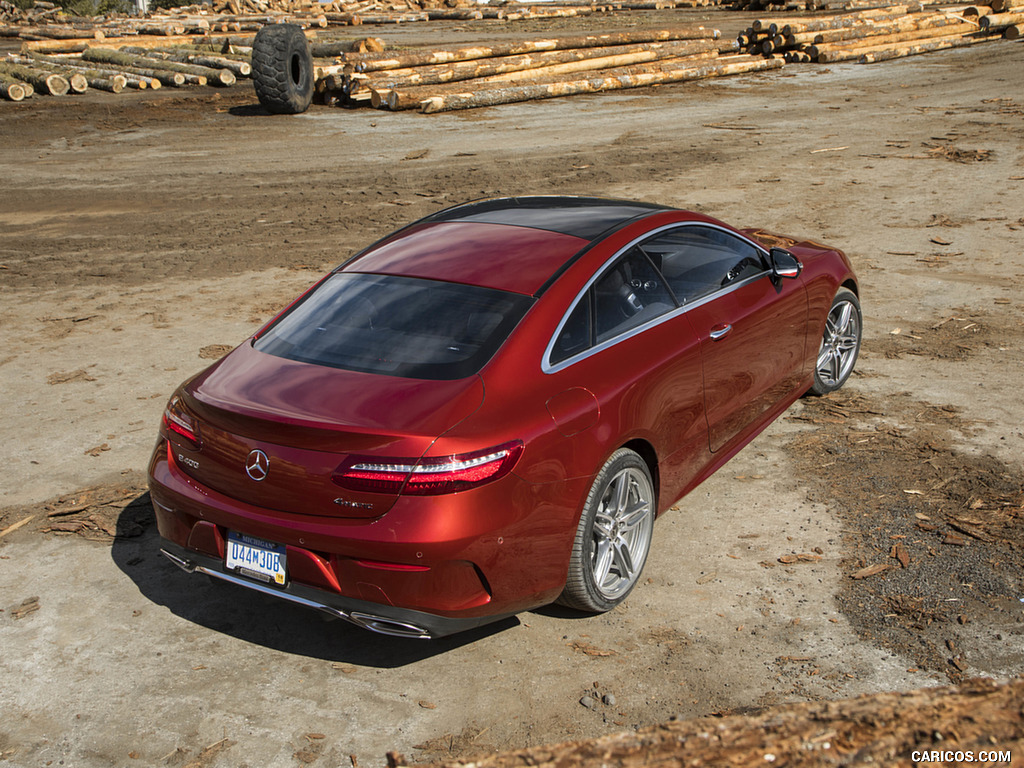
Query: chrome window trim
548	367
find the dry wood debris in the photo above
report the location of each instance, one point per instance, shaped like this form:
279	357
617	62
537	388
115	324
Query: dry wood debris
880	729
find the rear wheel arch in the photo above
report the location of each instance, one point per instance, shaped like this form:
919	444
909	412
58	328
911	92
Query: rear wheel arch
613	535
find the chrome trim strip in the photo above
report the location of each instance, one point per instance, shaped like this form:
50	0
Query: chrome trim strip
379	624
546	366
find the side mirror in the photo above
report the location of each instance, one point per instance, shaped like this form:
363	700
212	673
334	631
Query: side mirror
785	264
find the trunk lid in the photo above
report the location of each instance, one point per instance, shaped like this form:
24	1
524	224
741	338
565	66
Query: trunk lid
306	420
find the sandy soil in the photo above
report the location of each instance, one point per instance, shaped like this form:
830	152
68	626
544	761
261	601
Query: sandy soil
142	234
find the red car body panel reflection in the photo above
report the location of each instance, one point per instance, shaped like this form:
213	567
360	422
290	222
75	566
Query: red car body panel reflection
428	565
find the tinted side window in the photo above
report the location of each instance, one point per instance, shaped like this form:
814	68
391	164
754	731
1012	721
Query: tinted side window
627	295
697	261
575	336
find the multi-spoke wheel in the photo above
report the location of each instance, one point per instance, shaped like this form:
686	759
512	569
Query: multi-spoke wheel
839	344
614	535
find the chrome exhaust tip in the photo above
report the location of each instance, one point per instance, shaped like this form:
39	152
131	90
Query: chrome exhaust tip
379	624
388	626
186	565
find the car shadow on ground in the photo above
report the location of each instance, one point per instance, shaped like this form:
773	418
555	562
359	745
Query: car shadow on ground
258	618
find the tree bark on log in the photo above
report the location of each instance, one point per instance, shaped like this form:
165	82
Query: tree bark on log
374	63
518	93
209	63
588	65
868	30
468	70
939	44
152	68
827	53
13	89
44	82
1014	32
398	99
98	79
78	46
848	20
125	61
998	21
160	60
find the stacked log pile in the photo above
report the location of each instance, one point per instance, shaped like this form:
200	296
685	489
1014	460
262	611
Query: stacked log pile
879	35
111	70
46	21
485	75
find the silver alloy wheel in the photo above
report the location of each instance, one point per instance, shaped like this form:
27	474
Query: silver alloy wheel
622	532
839	344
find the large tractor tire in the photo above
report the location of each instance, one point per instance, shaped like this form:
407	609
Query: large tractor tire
282	69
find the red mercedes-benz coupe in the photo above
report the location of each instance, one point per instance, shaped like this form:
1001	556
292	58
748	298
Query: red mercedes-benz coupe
485	411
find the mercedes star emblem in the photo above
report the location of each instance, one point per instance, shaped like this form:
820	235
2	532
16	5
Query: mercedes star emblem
257	465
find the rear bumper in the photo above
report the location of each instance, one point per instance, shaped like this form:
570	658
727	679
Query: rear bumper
440	565
386	620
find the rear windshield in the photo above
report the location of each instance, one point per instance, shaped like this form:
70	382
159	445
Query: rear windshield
400	326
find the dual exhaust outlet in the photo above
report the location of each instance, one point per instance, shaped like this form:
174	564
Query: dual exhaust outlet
379	624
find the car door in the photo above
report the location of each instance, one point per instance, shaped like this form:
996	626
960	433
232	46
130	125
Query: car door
751	326
628	342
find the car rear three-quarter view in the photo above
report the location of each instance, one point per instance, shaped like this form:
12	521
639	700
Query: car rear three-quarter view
485	411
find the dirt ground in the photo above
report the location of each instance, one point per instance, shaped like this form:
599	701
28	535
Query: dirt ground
142	236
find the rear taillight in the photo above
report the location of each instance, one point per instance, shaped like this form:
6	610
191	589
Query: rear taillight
428	476
179	422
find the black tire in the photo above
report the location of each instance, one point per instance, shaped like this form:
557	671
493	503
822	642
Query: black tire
613	536
840	344
282	69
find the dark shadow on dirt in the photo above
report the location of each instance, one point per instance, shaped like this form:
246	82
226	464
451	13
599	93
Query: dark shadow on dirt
555	611
257	618
249	110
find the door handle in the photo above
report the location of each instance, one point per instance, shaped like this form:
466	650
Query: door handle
719	331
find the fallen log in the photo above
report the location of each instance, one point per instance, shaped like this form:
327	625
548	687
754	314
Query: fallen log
926	47
42	81
999	21
848	20
467	70
102	81
361	45
183	73
517	93
162	76
870	30
411	97
372	62
827	53
587	65
54	32
78	46
127	79
12	89
1014	32
159	59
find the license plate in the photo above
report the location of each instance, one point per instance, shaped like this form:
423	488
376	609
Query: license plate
256	558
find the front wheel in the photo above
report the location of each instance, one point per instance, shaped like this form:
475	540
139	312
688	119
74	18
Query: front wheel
613	537
840	344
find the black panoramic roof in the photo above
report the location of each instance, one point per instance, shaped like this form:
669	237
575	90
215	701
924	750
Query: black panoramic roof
583	217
